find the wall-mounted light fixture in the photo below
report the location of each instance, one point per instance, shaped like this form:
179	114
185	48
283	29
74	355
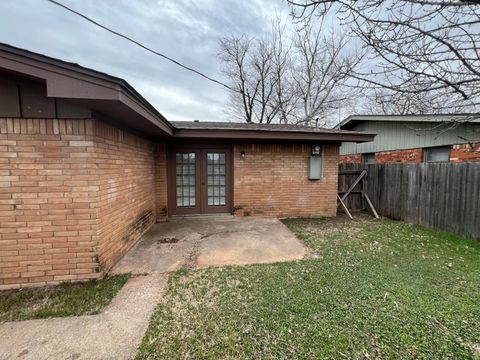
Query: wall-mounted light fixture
316	150
242	154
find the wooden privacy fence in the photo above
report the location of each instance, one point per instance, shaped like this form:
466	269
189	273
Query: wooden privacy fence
443	196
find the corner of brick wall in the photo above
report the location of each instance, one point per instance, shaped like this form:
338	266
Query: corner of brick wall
75	195
272	180
125	172
161	181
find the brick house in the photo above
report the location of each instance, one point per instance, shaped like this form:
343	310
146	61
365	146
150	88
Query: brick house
87	165
413	139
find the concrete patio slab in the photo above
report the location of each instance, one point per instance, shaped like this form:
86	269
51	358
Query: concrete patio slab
211	241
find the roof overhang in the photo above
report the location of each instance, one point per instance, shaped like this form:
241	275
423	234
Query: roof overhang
103	93
271	135
353	120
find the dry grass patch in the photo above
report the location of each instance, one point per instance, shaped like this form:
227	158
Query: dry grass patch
68	299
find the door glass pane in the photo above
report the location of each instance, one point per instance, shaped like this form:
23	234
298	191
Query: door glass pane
216	179
185	180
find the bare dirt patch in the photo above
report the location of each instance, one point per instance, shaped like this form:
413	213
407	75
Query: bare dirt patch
168	240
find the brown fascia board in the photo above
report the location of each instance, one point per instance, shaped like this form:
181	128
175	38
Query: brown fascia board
352	120
271	135
72	81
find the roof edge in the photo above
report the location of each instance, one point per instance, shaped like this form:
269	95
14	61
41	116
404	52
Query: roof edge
345	123
270	135
64	68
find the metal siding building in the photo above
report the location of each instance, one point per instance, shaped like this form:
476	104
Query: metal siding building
407	132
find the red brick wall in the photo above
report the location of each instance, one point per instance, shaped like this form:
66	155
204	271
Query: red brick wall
125	173
387	157
272	180
399	156
161	181
74	196
48	229
350	159
465	152
458	153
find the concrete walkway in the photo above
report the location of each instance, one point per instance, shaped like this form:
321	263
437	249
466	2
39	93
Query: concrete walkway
113	334
118	330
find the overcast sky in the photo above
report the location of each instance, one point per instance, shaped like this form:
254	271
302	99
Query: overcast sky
187	30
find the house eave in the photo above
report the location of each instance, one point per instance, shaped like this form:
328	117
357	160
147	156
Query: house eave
270	135
71	81
352	120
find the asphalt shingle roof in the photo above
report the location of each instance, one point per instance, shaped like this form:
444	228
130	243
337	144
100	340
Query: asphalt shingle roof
237	126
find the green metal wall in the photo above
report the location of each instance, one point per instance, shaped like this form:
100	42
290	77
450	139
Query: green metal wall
396	135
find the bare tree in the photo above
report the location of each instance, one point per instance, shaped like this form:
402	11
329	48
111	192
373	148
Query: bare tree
234	52
249	64
416	46
264	71
285	94
321	71
288	79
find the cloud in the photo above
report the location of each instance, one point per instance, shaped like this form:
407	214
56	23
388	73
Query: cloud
187	30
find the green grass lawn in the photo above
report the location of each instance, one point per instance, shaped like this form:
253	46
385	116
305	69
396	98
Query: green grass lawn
377	289
62	300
